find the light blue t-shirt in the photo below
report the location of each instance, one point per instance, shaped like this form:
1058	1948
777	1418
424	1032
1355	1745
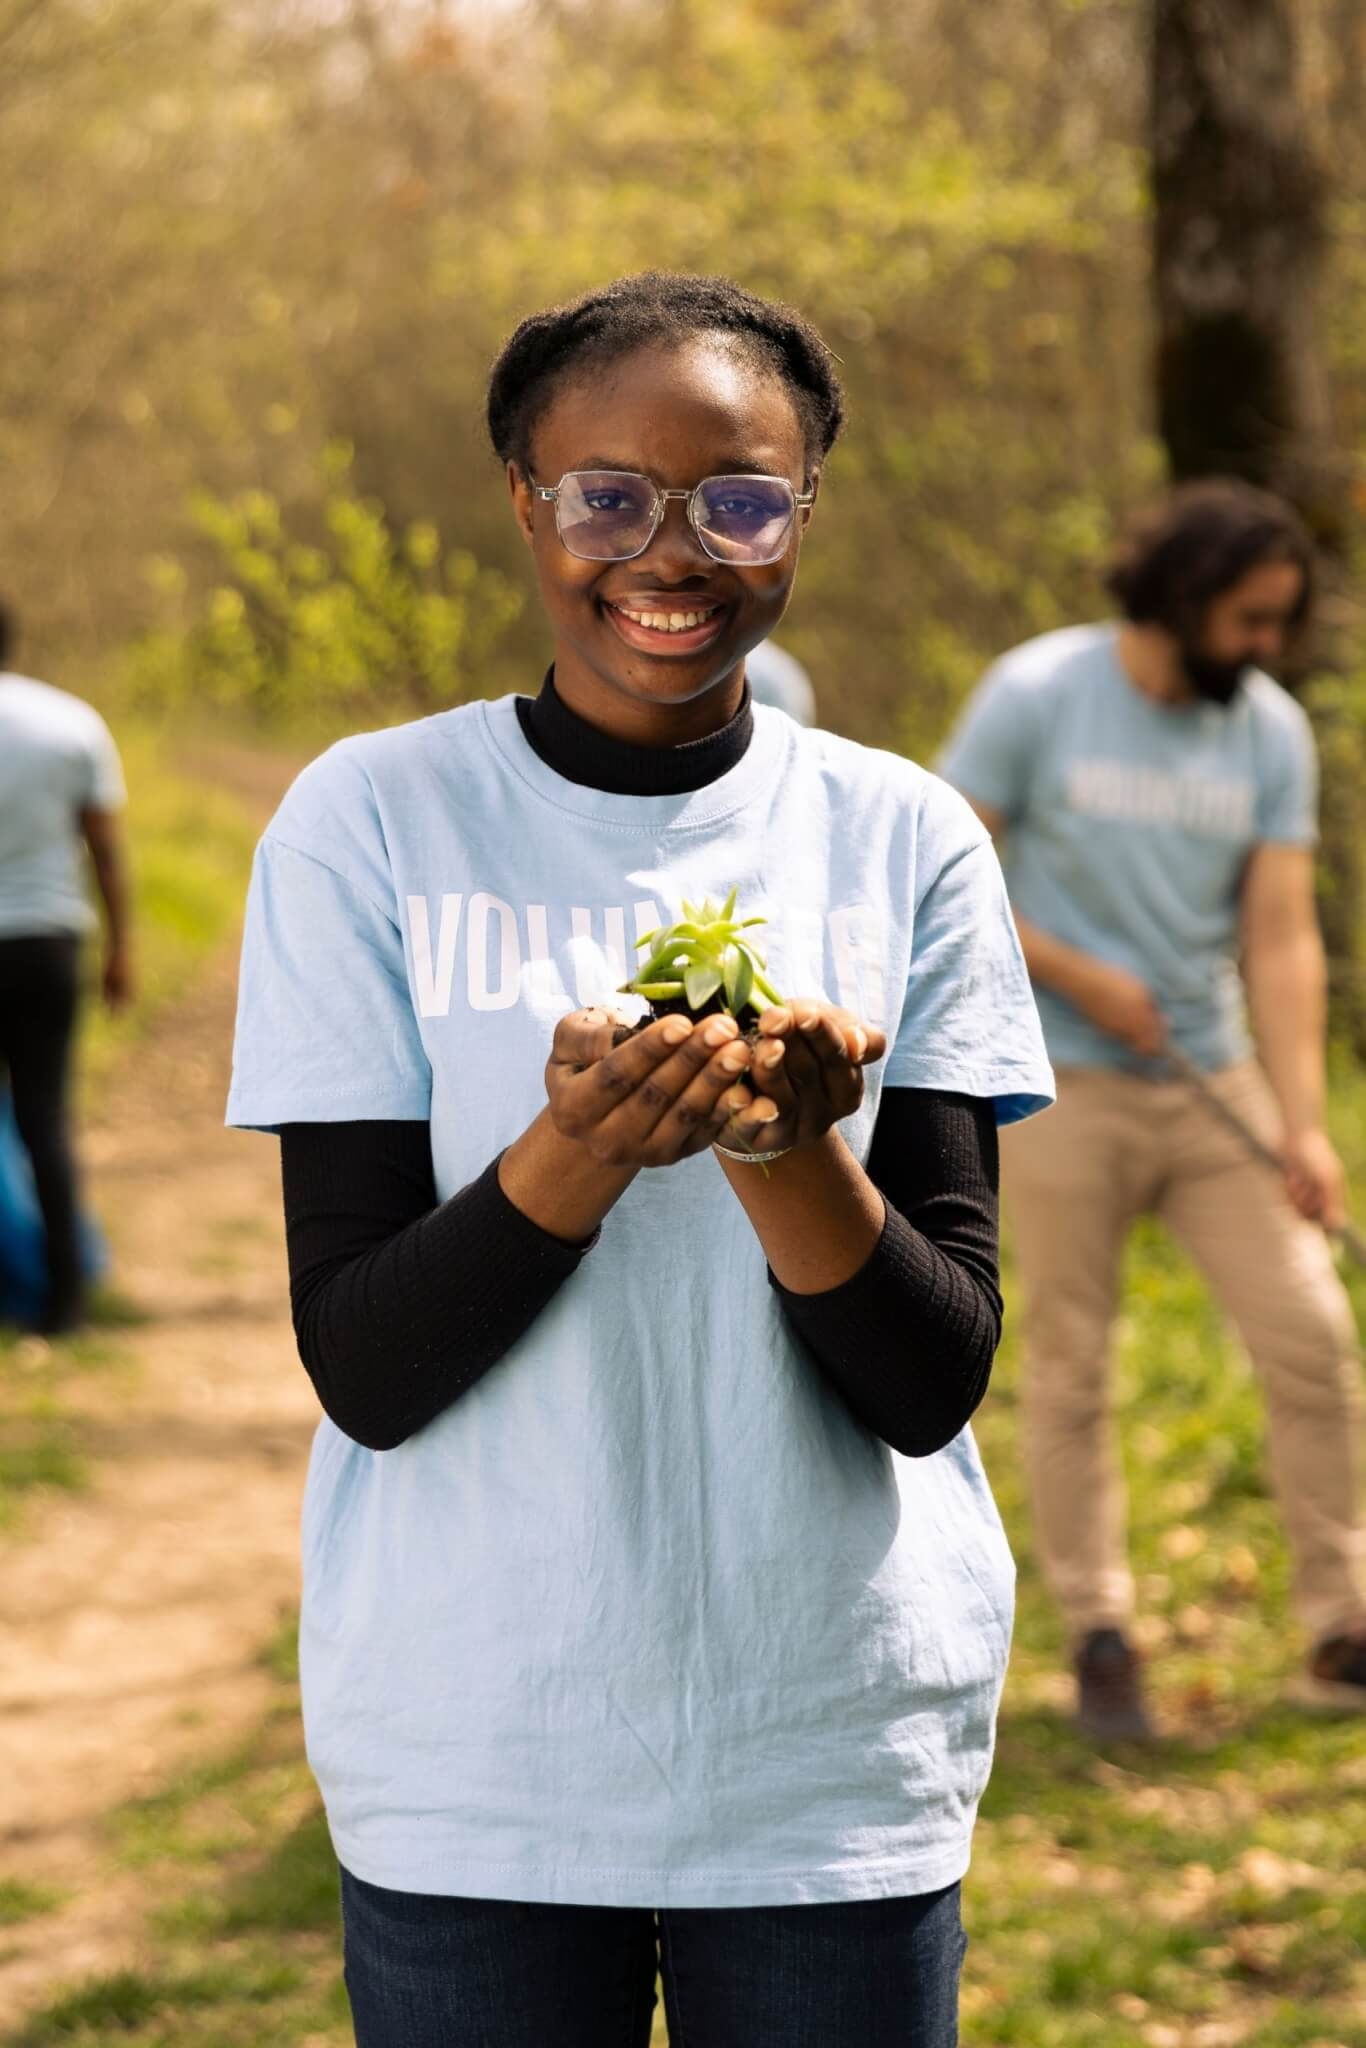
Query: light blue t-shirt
57	759
645	1617
1130	824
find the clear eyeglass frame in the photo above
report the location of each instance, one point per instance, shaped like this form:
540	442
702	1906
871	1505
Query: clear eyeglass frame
801	501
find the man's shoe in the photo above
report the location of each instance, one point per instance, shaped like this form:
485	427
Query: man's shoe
1334	1681
1110	1704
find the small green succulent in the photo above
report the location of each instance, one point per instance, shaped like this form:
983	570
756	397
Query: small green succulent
703	956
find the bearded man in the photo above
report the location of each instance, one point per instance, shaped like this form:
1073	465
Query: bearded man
1153	793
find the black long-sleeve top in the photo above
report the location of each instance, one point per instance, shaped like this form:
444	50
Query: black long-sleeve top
401	1302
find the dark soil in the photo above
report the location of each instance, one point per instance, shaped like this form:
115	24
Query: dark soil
678	1006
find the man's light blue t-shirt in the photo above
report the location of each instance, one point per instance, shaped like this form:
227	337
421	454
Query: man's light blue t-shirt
645	1617
57	759
1130	824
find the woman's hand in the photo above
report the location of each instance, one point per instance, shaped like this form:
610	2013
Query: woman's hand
807	1075
661	1095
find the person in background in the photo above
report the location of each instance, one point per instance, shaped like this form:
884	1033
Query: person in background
776	677
61	790
1154	792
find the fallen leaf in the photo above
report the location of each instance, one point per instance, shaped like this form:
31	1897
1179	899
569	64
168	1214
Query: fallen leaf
1273	1876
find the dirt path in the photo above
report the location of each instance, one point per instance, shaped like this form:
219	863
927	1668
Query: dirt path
133	1614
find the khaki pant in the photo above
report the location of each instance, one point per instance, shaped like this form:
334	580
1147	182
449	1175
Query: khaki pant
1074	1182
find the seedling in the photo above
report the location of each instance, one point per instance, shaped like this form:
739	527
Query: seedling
704	965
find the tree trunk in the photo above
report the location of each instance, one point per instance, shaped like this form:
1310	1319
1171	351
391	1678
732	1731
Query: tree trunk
1238	244
1239	240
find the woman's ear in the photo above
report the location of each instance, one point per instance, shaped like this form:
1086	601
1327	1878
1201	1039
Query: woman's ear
523	503
814	486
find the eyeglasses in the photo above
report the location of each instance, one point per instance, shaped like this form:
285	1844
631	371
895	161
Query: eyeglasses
612	515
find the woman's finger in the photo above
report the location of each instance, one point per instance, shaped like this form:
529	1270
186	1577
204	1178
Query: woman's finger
815	1058
587	1035
628	1066
706	1059
828	1033
585	1092
753	1130
820	1031
731	1103
864	1044
771	1072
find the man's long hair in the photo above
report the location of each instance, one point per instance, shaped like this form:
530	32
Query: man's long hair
1200	541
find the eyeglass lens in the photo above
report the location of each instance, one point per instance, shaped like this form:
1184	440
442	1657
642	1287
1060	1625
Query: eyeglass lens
610	515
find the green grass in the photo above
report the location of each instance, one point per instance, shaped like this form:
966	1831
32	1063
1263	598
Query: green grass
1209	1895
190	850
39	1443
1213	1893
20	1901
243	1942
38	1448
242	1999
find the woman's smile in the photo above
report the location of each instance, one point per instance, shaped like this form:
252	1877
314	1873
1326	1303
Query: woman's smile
666	623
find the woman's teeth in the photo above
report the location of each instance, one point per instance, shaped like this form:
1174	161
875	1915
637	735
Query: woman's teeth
668	622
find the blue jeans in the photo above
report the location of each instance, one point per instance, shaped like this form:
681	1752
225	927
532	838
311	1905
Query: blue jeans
426	1972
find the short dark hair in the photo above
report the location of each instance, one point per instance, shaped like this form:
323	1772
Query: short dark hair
1200	541
658	306
6	633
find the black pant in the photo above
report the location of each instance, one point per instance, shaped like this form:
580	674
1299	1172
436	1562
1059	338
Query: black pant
433	1972
38	990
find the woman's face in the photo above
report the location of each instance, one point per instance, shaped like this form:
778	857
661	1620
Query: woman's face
675	414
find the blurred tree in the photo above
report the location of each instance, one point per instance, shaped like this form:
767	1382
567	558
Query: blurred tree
237	231
1240	240
301	629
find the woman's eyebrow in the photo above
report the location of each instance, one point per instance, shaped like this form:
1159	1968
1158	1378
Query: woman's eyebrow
738	466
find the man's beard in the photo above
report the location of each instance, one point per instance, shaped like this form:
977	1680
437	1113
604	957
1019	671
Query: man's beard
1218	682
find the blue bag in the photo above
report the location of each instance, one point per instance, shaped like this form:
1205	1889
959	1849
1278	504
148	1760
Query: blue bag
23	1267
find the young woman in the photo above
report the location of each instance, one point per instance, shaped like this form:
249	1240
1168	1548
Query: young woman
656	1606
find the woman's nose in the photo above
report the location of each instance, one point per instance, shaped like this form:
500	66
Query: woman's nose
675	545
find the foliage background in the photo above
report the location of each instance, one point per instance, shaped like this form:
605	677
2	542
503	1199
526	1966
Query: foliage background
261	256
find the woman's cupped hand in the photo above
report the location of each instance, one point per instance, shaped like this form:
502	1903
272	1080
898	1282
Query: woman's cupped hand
806	1073
670	1091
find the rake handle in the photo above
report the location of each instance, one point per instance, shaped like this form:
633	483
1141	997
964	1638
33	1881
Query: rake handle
1346	1233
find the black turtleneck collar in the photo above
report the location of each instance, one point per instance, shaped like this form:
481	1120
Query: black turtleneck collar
579	752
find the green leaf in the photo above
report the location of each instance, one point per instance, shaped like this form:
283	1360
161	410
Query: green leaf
728	907
671	954
701	983
739	979
646	937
